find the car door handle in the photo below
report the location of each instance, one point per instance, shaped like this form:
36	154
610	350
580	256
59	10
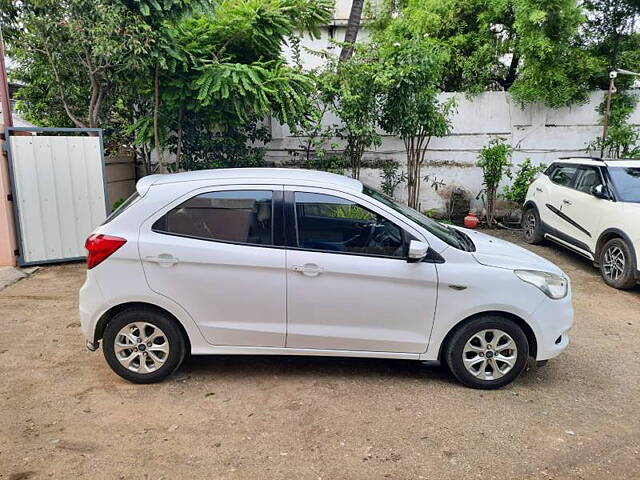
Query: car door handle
164	260
308	269
567	202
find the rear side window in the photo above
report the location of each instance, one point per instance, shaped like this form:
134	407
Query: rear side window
333	224
564	175
123	206
239	216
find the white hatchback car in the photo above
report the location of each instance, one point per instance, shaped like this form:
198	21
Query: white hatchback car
592	207
295	262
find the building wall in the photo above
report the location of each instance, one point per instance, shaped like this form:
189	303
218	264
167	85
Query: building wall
537	132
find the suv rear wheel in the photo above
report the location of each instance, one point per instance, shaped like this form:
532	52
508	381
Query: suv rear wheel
488	352
617	265
143	345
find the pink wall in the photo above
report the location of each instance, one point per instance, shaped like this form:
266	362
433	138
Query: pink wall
7	226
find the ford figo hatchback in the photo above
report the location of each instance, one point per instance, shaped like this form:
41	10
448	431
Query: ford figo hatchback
295	262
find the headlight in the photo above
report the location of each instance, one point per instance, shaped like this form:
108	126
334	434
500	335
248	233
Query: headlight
554	286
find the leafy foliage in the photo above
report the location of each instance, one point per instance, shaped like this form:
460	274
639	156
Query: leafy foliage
623	138
525	174
495	162
347	86
391	178
410	71
238	146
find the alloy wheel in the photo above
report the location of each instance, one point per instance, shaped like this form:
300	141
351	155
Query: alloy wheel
614	263
489	354
529	225
141	347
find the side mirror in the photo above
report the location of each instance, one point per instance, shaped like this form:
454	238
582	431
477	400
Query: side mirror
417	251
600	191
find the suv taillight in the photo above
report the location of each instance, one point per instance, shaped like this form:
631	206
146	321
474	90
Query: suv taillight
101	247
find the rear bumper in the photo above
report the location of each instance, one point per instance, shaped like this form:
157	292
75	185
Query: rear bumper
90	301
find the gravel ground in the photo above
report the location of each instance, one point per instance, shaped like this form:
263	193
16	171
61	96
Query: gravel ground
64	414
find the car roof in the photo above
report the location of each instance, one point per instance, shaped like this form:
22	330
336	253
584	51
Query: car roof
286	176
597	161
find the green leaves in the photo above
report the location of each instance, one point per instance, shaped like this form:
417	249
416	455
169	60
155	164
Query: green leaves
247	91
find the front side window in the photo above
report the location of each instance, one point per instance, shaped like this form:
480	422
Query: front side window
588	177
626	181
334	224
564	175
449	235
239	216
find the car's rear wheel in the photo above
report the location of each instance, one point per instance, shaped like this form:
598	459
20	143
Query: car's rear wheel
488	352
617	265
143	345
532	226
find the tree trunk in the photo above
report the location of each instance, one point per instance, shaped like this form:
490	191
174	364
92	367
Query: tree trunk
156	113
352	29
179	139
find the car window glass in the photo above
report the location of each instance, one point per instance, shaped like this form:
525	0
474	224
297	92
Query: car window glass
123	206
587	178
627	183
564	174
334	224
243	216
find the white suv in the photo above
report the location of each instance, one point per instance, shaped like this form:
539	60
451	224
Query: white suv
592	207
295	262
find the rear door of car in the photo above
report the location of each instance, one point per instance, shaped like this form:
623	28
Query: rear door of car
217	252
561	181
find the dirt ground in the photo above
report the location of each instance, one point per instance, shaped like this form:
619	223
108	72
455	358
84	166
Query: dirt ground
64	414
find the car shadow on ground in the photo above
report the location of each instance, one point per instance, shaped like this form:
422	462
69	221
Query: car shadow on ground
243	366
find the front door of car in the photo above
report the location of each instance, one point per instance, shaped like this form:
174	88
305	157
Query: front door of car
582	211
213	253
349	286
561	180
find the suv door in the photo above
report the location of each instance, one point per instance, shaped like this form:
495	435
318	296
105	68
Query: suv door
349	286
561	179
215	252
581	210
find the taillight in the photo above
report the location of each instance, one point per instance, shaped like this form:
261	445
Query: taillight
101	247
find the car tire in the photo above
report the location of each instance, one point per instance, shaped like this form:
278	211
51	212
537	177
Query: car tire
143	345
617	264
532	226
477	363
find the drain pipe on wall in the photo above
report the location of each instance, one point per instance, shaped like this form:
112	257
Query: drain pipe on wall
8	244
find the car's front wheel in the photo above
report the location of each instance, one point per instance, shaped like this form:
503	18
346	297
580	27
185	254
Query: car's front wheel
143	345
487	352
532	226
617	265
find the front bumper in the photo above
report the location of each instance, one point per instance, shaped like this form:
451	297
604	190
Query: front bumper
551	322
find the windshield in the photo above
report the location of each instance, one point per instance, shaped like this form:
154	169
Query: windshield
626	181
449	235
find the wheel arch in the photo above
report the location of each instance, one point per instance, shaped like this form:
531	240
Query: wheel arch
530	204
113	311
610	234
526	328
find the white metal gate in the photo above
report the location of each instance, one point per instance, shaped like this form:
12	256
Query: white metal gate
58	186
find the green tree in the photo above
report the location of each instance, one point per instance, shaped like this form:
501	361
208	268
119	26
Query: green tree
409	76
495	162
533	48
70	55
348	88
